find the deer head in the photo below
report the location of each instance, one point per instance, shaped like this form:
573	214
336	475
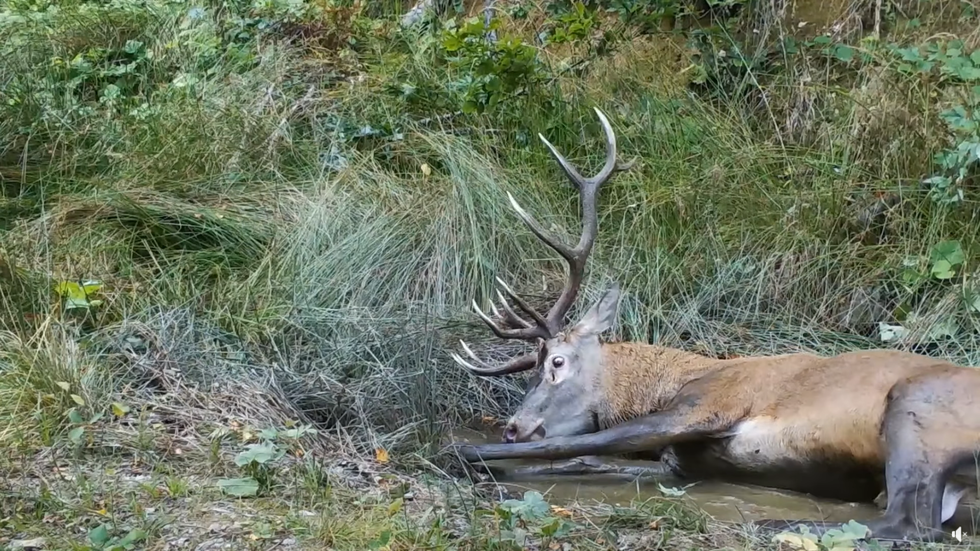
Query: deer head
562	398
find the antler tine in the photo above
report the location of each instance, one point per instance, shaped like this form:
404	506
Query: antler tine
523	305
509	315
528	332
575	256
521	363
580	182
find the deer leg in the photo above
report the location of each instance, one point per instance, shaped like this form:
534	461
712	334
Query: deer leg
929	434
685	420
587	465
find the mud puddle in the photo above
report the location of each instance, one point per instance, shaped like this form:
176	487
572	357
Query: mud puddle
725	502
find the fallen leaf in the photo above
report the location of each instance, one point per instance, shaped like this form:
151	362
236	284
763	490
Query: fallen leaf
426	170
795	541
63	385
381	455
561	511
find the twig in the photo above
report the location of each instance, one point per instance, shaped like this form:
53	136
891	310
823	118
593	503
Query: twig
877	31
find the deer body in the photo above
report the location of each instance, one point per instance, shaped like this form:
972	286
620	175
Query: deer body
846	426
778	431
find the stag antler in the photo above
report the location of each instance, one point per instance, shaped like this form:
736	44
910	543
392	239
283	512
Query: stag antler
546	327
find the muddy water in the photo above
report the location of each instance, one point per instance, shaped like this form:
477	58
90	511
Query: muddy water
724	502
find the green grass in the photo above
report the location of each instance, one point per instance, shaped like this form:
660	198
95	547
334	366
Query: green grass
290	216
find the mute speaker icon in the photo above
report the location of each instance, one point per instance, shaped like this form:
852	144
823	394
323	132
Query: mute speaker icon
957	534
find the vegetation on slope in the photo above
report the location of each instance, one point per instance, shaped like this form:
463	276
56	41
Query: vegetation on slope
223	217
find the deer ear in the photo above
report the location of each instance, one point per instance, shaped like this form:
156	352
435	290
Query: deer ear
601	316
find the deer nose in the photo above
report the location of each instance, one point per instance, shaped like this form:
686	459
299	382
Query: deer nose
510	433
514	433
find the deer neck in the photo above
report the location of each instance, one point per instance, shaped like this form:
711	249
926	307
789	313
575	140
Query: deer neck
638	378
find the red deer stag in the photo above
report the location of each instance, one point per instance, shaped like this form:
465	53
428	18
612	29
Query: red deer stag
845	427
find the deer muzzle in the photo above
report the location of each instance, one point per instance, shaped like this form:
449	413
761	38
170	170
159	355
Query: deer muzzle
518	431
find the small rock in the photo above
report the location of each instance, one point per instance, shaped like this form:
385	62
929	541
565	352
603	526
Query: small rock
288	542
409	496
36	543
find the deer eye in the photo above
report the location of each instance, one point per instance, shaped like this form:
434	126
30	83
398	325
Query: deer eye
557	361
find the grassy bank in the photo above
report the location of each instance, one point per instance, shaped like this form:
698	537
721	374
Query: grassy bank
284	208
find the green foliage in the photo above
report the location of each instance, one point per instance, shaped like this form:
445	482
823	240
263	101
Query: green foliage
79	295
239	487
574	25
520	520
491	72
954	67
258	461
835	539
102	539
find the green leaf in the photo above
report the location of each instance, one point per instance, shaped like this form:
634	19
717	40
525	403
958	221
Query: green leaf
942	269
531	507
968	73
556	527
909	54
239	487
99	535
844	52
75	417
451	43
119	409
847	533
132	537
64	386
382	540
259	453
946	256
972	300
75	434
78	399
950	251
